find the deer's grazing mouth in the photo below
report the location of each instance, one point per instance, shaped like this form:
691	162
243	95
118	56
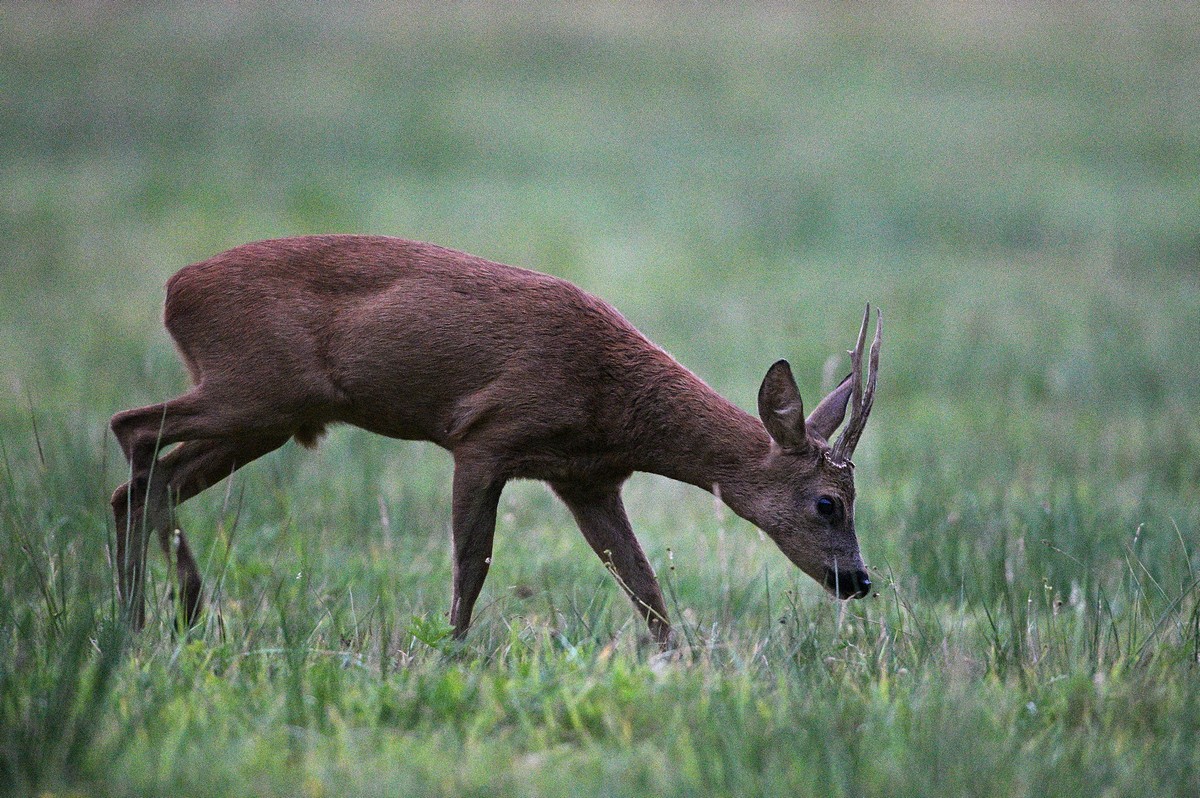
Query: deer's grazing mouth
515	373
847	584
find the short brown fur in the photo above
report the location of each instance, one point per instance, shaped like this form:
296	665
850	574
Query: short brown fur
516	373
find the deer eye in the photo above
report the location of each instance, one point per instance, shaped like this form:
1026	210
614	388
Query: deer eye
826	507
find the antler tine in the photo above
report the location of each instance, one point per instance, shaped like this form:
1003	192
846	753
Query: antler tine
856	364
861	400
872	377
841	448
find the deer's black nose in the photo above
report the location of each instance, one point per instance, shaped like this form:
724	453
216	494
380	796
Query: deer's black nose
848	584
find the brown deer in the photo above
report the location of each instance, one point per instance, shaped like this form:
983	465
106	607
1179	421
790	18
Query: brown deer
516	373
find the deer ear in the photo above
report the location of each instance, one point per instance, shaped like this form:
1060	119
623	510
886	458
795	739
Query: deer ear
827	416
781	408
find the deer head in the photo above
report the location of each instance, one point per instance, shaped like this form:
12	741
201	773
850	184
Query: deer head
810	514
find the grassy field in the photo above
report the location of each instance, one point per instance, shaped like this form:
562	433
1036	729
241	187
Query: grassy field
1019	190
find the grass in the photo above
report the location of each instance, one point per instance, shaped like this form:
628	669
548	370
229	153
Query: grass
1016	189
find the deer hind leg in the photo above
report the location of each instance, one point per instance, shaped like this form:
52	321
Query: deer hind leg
133	530
207	411
601	517
147	503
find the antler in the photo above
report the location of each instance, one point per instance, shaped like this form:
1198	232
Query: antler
860	400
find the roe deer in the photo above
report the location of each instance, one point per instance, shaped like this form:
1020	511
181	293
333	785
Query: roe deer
516	373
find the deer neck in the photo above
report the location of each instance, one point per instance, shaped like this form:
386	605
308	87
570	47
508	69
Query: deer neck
692	434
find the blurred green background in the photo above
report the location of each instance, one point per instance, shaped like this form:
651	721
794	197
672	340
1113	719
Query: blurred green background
1017	187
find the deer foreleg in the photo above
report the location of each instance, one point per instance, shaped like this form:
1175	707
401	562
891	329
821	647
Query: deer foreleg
602	519
476	495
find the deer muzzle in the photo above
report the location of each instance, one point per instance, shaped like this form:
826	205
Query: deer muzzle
846	583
